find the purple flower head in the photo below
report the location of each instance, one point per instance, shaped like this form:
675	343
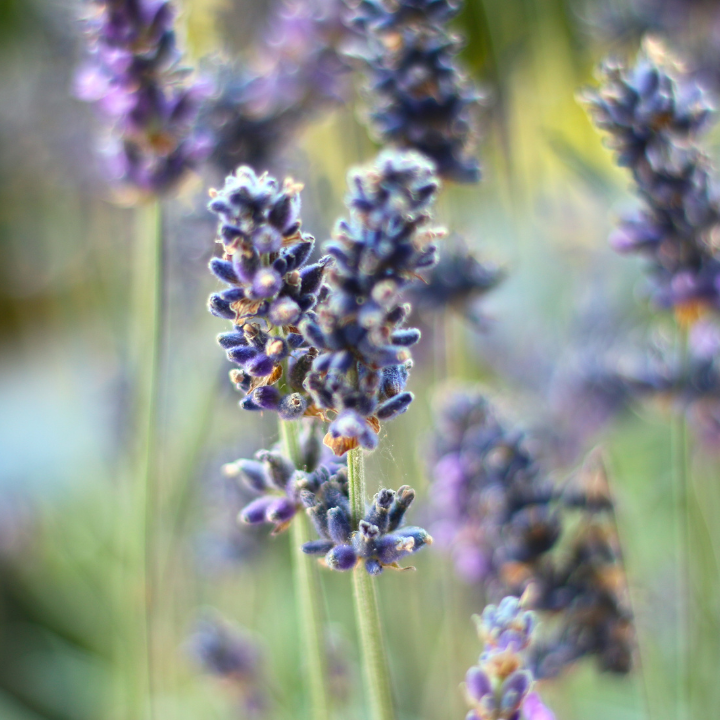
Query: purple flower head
499	686
279	485
270	289
380	539
133	75
653	114
418	97
489	496
294	73
358	330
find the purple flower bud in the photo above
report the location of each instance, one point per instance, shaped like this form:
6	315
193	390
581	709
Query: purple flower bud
292	407
266	284
341	557
255	512
223	270
267	397
478	683
284	311
317	547
280	511
260	366
394	406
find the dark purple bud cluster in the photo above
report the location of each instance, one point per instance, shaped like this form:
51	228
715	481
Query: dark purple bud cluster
379	540
225	651
280	485
419	98
491	502
134	76
507	528
271	288
654	114
363	357
499	686
457	281
295	73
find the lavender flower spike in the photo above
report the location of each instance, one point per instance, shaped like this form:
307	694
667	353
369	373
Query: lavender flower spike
134	77
654	115
270	289
363	347
499	686
418	96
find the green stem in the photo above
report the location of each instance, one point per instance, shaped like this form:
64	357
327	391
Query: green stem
149	300
376	673
307	593
684	553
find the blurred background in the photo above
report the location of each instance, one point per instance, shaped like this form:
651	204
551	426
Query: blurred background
543	212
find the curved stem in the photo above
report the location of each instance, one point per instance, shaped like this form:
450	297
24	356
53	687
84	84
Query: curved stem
376	673
307	593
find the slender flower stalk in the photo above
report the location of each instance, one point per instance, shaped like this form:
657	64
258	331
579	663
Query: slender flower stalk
307	593
376	673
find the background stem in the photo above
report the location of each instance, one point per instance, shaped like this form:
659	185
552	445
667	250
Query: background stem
376	673
149	294
684	554
307	593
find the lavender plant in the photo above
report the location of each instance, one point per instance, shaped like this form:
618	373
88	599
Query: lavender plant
338	326
417	94
500	686
294	73
134	75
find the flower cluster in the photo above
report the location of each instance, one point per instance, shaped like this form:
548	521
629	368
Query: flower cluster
378	541
281	486
419	98
295	72
225	651
363	357
491	502
653	114
457	281
271	287
508	528
134	76
499	686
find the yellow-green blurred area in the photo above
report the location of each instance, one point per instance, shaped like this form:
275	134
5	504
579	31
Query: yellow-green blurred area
69	317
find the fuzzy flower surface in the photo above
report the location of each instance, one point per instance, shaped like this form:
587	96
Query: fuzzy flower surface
271	288
499	687
380	539
418	96
133	74
654	114
358	328
295	72
279	485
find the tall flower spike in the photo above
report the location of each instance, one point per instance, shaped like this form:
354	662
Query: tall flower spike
271	289
492	504
499	687
418	96
380	540
133	74
295	72
363	357
654	114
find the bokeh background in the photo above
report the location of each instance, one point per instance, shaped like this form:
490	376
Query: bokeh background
68	315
